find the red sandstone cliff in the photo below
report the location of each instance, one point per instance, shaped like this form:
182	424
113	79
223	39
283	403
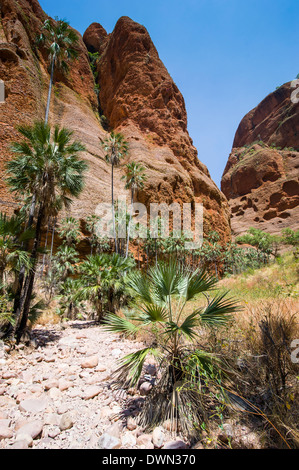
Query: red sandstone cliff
137	96
260	179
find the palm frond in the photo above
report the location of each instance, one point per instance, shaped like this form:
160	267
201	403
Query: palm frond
219	310
116	324
154	313
129	372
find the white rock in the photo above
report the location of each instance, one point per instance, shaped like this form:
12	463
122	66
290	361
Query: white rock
66	422
52	383
34	429
19	445
65	384
158	437
90	362
55	393
5	432
26	438
91	392
107	441
32	406
128	440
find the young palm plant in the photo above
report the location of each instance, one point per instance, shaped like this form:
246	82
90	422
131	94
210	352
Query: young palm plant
12	254
69	230
60	40
116	148
185	370
135	178
102	282
46	165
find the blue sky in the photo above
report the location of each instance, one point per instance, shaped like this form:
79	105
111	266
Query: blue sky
224	55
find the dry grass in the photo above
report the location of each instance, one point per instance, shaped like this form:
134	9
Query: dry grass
257	346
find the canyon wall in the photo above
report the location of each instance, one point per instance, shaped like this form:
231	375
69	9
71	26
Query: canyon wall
131	93
260	179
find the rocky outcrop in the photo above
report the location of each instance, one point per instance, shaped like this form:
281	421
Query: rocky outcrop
24	70
260	179
137	97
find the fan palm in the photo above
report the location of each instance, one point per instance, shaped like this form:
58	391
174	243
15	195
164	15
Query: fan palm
96	242
161	299
116	148
46	166
12	255
59	40
102	281
64	262
69	230
135	178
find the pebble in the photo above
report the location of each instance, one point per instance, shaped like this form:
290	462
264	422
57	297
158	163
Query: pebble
53	397
33	429
158	436
90	362
107	441
66	422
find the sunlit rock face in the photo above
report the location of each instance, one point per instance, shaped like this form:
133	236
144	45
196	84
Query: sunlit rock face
261	176
137	96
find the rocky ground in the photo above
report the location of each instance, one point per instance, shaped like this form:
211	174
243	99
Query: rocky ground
58	394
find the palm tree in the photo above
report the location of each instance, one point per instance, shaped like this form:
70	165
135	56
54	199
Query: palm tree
12	254
102	281
64	263
135	178
116	148
161	300
69	230
100	244
59	40
46	166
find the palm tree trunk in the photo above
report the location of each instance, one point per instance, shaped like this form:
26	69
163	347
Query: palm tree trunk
52	241
138	254
50	88
22	320
146	258
18	299
216	270
46	243
129	225
113	212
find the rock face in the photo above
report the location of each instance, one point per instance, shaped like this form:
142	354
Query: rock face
137	96
260	179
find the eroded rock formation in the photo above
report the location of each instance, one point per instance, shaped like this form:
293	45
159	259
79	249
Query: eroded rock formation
260	179
137	97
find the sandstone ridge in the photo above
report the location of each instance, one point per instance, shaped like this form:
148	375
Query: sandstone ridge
260	179
137	96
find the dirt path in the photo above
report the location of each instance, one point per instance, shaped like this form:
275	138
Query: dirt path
58	395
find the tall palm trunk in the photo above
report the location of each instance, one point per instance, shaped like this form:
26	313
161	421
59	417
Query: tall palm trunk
52	241
130	219
28	288
113	211
50	88
19	294
46	243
